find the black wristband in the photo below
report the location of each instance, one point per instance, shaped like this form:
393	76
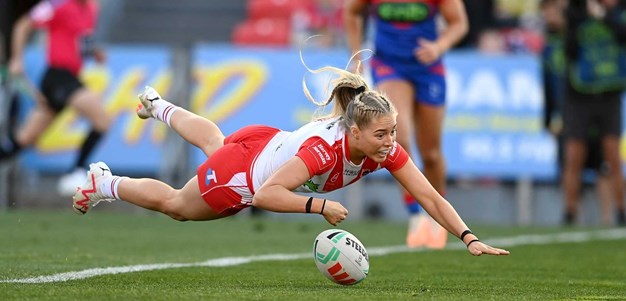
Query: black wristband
465	233
307	207
469	243
323	205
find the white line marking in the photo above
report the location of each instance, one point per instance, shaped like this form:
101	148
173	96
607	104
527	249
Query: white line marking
538	239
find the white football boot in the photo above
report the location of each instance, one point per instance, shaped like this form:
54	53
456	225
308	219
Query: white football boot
149	99
90	193
67	183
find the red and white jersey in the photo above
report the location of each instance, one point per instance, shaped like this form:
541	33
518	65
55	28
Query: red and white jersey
323	146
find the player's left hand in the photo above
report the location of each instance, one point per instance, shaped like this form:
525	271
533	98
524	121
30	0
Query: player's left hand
427	52
99	56
478	248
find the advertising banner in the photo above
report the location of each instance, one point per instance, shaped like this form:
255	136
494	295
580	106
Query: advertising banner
492	128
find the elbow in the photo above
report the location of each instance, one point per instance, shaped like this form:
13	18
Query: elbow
258	198
463	28
262	196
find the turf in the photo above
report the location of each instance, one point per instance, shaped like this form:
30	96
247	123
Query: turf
44	243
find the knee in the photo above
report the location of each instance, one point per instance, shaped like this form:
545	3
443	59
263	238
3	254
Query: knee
213	145
91	104
171	209
102	123
178	218
432	157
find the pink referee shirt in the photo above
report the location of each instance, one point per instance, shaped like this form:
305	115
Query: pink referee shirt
68	23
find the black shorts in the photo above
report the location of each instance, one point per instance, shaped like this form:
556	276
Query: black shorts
57	86
602	115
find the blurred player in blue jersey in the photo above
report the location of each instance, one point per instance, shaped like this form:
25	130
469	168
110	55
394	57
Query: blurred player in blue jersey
407	67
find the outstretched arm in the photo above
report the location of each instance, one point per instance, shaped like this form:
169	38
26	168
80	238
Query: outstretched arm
440	209
276	194
21	31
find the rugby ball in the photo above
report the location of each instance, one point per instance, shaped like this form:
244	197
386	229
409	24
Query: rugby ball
341	257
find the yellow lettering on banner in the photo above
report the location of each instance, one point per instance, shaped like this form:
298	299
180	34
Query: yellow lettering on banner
506	123
61	135
494	123
210	80
64	135
97	79
125	100
463	122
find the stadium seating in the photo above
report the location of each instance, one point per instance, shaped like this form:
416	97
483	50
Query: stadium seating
262	32
279	9
269	22
171	22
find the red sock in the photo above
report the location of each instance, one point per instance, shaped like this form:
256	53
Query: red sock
411	204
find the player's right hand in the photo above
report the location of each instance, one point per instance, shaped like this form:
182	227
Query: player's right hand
334	212
478	248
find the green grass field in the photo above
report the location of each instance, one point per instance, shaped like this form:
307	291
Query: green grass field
591	266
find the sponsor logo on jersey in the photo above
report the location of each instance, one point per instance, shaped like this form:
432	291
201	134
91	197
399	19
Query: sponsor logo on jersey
434	90
403	12
322	153
311	186
334	178
350	172
210	176
393	149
